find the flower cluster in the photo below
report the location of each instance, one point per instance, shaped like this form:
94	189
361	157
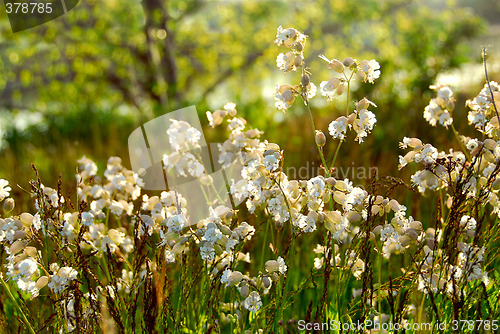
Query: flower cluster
441	107
291	61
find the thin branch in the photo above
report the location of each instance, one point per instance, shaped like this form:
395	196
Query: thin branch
483	54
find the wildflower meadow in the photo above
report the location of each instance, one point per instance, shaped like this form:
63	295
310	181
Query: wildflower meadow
188	234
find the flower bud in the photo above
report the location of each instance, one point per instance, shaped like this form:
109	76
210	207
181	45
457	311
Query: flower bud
41	282
298	61
225	230
26	219
218	249
377	229
272	266
334	82
31	251
244	290
320	138
405	240
267	282
351	118
298	46
340	89
19	234
348	62
236	277
331	181
17	246
287	95
416	225
337	66
496	184
361	75
362	104
9	204
305	80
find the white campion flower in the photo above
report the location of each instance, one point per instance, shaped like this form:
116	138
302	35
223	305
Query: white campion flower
354	198
472	144
184	164
338	128
64	276
169	256
25	269
286	61
271	162
282	266
288	36
213	234
371	69
356	265
331	88
4	189
236	123
37	221
363	125
284	96
182	136
253	302
177	222
226	277
88	168
87	218
116	208
468	223
207	252
278	209
433	113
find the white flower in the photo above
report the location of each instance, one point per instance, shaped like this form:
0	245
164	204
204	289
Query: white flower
468	223
26	268
288	36
226	277
207	252
472	144
177	222
37	221
169	256
253	302
271	162
87	218
282	266
213	233
116	208
4	189
284	97
311	90
64	276
182	136
329	88
363	125
286	61
338	128
371	68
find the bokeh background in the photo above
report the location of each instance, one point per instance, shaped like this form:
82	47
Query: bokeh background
80	84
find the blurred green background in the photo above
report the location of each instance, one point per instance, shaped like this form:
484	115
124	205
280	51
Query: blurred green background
80	84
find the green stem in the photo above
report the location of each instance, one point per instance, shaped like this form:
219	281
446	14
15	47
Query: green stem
336	154
466	152
323	161
23	316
